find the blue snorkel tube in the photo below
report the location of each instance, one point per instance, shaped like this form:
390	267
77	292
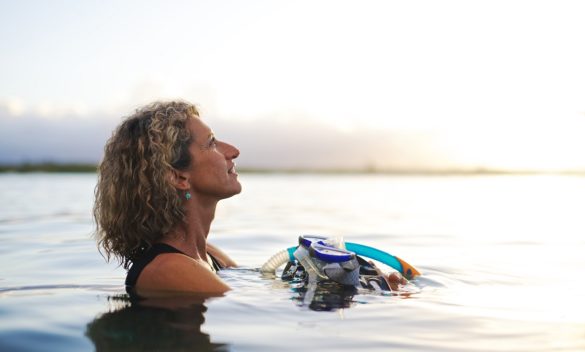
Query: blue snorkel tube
407	270
282	257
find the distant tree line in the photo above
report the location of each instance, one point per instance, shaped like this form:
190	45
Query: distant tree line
88	168
49	167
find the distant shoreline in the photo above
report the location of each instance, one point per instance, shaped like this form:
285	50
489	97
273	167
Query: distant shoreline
50	167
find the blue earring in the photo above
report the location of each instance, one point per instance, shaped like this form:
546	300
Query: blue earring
187	195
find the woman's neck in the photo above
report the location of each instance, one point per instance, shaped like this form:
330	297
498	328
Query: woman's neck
190	236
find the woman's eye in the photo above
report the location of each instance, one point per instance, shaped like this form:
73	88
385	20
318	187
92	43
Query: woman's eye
213	142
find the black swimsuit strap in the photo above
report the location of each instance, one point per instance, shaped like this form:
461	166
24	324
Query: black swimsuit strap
145	259
153	252
216	265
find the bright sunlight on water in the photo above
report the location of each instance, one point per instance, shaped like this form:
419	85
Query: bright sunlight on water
501	258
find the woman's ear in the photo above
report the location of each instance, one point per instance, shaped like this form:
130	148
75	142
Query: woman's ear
180	179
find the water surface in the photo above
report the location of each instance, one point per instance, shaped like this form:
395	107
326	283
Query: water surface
501	258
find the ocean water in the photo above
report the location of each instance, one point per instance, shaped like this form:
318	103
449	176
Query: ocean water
501	256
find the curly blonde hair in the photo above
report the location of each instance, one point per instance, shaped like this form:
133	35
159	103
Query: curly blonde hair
135	201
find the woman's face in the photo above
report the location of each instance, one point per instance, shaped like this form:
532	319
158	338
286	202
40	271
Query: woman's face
213	171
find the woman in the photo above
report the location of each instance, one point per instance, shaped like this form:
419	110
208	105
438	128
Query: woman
161	177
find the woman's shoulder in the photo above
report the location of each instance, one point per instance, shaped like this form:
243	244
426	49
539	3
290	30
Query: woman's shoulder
175	272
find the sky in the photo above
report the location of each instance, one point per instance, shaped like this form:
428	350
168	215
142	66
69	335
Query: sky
304	84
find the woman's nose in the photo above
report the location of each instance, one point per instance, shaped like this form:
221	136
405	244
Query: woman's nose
231	152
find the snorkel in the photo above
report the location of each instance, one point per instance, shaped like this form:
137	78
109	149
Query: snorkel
315	253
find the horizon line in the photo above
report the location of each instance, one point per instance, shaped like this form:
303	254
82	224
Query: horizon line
59	167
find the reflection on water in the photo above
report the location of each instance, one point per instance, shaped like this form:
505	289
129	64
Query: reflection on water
160	324
323	296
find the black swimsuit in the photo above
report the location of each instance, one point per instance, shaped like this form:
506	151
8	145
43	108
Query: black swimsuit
146	258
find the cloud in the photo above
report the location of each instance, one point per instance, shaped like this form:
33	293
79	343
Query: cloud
300	141
32	138
264	142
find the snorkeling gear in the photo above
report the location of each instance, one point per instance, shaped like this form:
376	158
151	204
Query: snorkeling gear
319	258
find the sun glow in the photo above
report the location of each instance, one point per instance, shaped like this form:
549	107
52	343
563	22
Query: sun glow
518	145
